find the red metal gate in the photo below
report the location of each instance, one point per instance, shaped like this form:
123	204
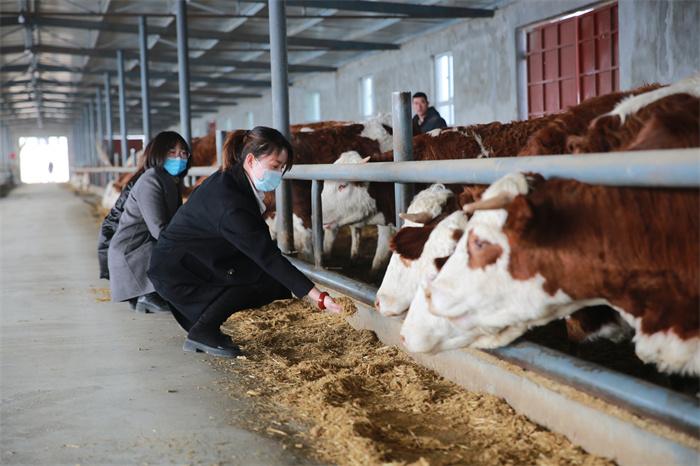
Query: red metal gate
571	59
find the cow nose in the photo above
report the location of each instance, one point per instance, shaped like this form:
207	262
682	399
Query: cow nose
376	304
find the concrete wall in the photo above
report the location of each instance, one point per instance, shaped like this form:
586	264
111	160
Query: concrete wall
658	42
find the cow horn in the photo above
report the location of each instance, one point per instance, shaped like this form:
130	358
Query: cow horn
418	217
499	202
366	159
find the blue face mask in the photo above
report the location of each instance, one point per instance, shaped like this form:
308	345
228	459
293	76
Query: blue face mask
175	165
269	181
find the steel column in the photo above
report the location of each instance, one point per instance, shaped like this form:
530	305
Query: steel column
280	115
220	135
122	107
183	71
109	134
145	93
98	111
403	146
317	221
91	133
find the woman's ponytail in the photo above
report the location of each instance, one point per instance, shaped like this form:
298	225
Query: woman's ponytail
233	149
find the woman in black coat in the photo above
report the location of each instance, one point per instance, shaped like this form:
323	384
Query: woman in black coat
216	255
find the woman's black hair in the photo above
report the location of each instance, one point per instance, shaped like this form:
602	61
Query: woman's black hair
157	150
259	141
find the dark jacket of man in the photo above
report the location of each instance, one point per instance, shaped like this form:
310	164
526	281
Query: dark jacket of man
218	239
432	121
150	205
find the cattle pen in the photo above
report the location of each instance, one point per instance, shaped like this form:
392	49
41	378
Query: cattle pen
567	384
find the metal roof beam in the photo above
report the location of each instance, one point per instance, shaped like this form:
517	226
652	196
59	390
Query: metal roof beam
135	74
191	16
411	10
193	33
170	59
208	92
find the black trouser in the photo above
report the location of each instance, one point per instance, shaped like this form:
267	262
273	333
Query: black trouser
234	299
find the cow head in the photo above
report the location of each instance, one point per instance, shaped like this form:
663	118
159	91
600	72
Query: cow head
427	234
423	332
344	202
475	288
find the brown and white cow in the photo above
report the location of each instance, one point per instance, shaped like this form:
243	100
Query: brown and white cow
665	118
552	138
431	221
560	245
350	201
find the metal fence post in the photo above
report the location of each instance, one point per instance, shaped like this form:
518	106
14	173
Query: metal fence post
183	71
109	134
122	107
145	93
219	134
280	116
403	146
317	221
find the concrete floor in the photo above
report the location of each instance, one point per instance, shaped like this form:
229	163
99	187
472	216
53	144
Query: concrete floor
90	382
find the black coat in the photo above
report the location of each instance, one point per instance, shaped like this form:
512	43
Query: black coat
432	121
216	240
109	227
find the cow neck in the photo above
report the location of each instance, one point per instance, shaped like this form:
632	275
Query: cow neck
633	247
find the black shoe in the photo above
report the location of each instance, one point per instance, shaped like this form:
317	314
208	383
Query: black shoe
211	342
132	303
224	351
152	302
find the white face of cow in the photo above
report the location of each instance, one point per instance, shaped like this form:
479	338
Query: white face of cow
475	288
423	332
403	275
345	203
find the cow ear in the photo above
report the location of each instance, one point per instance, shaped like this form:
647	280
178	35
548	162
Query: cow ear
366	159
471	194
520	216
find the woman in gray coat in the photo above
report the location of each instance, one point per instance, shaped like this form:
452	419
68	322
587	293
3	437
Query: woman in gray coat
151	204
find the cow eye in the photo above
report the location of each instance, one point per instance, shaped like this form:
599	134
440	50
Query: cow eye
479	244
342	186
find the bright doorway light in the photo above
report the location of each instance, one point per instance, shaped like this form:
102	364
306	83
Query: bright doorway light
43	160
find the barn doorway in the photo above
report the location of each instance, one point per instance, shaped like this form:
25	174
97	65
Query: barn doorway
43	159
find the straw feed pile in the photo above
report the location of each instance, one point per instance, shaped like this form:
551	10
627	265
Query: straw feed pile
367	404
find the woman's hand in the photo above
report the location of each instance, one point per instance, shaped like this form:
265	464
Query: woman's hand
328	302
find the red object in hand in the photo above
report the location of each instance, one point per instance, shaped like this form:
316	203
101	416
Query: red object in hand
321	297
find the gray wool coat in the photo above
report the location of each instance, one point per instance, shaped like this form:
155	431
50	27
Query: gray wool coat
151	204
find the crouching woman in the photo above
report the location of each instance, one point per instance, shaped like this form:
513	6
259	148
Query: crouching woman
151	203
216	256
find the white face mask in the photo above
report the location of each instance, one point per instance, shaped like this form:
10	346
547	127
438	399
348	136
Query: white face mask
270	178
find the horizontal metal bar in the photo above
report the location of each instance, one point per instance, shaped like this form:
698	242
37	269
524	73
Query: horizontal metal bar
409	9
235	36
672	168
172	59
191	16
135	74
648	400
356	290
639	396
